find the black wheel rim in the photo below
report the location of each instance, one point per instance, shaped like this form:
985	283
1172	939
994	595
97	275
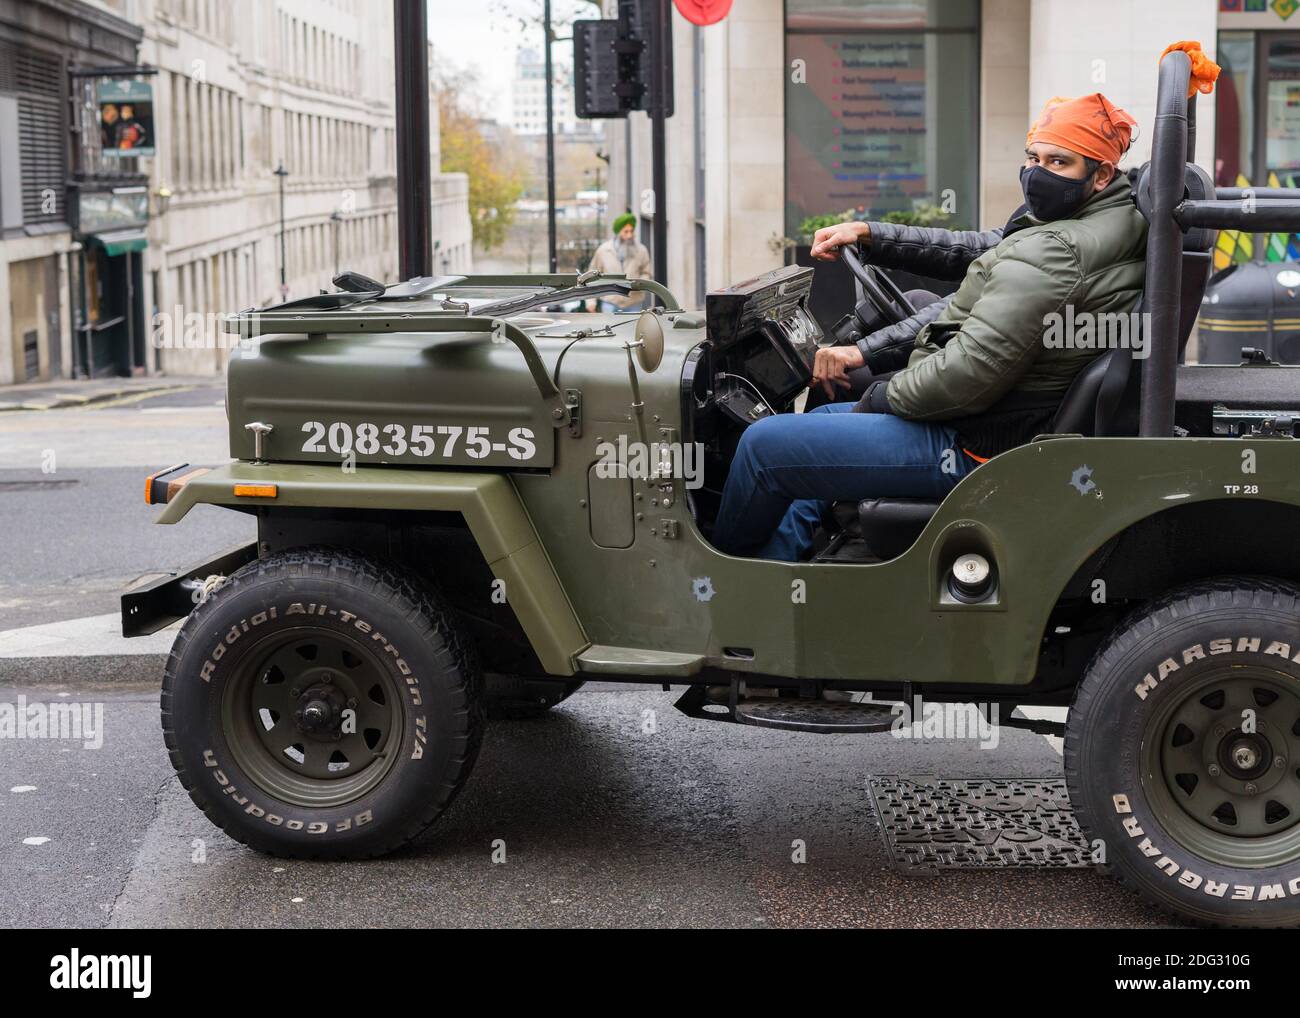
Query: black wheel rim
313	717
1221	766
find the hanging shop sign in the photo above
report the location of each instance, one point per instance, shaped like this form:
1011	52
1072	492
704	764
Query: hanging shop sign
125	117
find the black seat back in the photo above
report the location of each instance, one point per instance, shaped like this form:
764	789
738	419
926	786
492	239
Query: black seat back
1079	412
1103	398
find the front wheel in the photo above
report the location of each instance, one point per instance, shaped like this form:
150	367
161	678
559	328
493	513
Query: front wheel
322	705
1182	753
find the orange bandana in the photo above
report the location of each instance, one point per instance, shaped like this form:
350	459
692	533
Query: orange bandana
1204	70
1091	125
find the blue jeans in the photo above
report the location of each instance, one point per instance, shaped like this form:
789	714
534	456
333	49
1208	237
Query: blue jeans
790	467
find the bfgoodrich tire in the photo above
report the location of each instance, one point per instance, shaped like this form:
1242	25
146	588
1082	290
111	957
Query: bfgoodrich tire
322	705
1182	753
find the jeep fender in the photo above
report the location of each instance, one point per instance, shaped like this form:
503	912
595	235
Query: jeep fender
489	503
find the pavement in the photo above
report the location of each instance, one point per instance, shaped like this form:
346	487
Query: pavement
66	393
86	651
603	822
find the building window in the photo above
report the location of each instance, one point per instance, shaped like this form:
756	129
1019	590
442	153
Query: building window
881	108
1257	132
35	78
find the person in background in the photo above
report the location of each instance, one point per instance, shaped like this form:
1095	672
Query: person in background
622	255
108	117
130	132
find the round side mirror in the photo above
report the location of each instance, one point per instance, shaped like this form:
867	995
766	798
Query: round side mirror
650	341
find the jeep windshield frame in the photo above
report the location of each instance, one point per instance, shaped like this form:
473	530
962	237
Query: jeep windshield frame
619	285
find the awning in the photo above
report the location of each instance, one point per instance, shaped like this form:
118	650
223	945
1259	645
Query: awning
116	242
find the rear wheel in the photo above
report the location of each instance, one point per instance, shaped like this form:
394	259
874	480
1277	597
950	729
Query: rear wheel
321	704
1182	753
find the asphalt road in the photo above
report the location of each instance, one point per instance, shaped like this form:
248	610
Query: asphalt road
603	826
76	529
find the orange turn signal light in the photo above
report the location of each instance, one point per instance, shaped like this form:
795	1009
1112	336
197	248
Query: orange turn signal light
161	487
256	490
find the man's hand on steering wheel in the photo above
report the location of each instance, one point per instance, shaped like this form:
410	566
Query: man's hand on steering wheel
830	367
829	239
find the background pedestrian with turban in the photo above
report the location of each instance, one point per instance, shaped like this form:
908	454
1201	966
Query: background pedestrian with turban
623	255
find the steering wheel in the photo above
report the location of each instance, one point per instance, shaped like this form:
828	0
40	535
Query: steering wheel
888	300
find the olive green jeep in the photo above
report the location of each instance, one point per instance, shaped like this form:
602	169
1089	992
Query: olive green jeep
470	496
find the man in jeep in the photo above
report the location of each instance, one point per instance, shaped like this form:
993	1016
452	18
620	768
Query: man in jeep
966	377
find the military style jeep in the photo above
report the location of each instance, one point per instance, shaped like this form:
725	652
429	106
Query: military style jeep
466	498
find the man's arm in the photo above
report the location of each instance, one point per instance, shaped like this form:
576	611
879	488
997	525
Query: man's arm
888	349
997	342
926	250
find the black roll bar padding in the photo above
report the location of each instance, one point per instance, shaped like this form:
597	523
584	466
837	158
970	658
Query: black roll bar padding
1163	289
1254	215
1244	193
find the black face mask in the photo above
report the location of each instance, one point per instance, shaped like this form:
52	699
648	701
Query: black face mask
1051	196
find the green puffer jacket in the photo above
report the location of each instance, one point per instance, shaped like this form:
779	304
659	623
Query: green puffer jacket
986	351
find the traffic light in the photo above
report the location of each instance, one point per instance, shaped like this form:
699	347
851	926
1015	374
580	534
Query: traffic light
614	64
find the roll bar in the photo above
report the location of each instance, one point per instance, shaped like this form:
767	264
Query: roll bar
1170	213
1169	156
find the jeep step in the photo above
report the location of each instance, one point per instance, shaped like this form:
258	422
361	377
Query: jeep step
789	713
824	716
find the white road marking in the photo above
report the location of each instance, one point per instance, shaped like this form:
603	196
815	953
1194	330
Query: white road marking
35	841
19	789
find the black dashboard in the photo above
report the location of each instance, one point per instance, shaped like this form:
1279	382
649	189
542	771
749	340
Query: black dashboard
763	340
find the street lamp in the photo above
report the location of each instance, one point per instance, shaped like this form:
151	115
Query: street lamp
336	217
281	173
600	202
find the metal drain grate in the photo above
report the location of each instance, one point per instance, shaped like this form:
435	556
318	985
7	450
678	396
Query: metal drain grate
980	823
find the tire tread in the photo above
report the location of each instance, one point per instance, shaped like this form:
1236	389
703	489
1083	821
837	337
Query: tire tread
429	617
1173	606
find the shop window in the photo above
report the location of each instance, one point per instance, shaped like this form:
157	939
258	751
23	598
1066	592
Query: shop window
881	111
1257	132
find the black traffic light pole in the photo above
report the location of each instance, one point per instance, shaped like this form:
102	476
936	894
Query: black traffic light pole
414	192
550	140
660	26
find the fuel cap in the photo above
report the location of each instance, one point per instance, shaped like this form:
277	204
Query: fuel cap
971	578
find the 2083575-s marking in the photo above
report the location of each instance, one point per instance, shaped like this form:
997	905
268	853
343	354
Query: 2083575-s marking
423	440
